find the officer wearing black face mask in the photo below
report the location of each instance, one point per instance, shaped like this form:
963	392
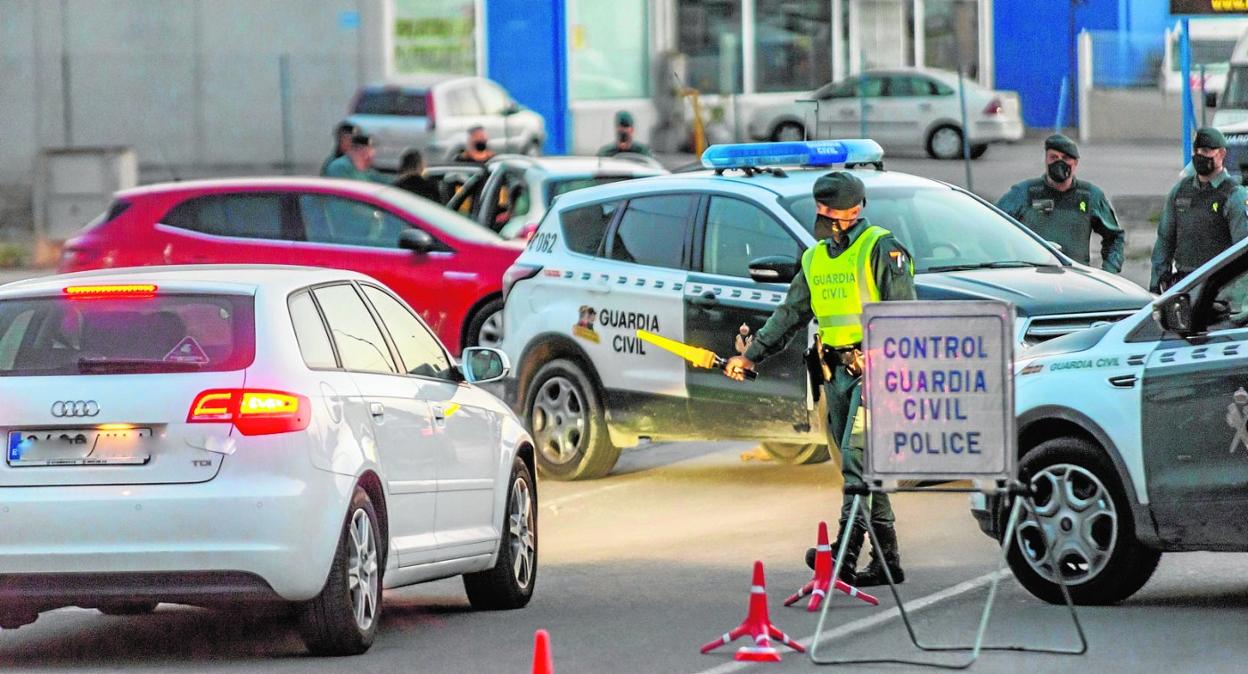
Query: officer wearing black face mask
1204	214
1066	211
478	149
623	138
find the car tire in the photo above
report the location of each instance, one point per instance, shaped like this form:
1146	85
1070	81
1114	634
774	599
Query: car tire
342	619
1078	490
128	608
944	142
797	454
509	585
788	131
485	328
978	150
563	411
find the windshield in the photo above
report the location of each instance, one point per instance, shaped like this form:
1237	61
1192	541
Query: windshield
446	220
943	228
145	335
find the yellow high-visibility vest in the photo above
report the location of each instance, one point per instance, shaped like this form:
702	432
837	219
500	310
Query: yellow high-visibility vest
840	286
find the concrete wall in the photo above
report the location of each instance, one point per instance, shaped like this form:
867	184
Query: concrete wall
1133	114
190	83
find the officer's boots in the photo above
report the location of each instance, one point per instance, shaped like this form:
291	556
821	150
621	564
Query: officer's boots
884	551
849	563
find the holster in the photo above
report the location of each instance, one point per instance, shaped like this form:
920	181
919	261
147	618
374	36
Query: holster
815	368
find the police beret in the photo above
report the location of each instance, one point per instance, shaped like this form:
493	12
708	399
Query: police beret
623	118
840	190
1209	137
362	140
1062	144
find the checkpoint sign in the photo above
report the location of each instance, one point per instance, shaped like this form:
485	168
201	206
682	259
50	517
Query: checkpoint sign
939	391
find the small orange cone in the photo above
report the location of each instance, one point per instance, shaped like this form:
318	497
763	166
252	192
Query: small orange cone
757	625
818	587
543	662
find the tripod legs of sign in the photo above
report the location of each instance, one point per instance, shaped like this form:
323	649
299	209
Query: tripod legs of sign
1021	493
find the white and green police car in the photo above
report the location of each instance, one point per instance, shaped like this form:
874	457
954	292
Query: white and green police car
704	258
1135	438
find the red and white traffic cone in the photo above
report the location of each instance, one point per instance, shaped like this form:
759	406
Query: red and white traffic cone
757	624
817	588
543	662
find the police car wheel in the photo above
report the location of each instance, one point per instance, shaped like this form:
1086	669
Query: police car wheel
945	142
796	454
1081	526
486	326
566	417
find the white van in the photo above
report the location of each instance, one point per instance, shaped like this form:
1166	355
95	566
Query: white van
1213	43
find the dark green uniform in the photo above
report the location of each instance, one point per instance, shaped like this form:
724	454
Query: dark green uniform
1068	218
343	168
1199	221
612	149
891	267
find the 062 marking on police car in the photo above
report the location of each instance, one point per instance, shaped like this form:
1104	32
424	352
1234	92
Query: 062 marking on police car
543	243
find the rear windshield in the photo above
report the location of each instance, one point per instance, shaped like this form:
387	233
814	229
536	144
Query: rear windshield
161	334
408	103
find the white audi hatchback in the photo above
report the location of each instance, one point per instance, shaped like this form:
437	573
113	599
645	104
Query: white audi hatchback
222	435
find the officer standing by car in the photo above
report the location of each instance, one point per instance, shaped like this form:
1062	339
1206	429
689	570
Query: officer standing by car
1204	214
357	163
1065	210
855	263
342	142
623	138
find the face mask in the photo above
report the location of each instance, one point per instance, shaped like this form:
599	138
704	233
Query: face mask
479	146
826	228
1202	164
1059	171
624	136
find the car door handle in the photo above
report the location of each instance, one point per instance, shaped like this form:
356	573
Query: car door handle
439	415
707	300
377	410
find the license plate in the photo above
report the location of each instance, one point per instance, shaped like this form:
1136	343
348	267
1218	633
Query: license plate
79	447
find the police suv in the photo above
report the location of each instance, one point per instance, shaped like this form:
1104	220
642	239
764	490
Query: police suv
704	258
1135	438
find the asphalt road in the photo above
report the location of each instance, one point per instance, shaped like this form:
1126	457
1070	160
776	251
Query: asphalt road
638	570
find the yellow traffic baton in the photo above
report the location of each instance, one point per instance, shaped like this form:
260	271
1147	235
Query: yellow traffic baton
698	356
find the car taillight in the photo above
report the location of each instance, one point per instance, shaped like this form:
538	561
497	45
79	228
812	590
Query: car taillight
252	411
994	107
429	109
518	272
111	291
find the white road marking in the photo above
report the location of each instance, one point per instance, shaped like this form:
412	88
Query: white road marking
912	607
556	503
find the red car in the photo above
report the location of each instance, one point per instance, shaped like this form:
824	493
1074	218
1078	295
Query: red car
447	267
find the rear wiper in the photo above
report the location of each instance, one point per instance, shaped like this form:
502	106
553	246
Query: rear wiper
997	264
132	365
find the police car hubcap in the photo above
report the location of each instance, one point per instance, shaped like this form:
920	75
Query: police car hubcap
1073	526
559	420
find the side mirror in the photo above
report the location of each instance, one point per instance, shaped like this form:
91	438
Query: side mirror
773	269
1174	313
1211	99
416	240
482	365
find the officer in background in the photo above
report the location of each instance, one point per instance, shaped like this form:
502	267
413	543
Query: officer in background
1204	214
1065	210
357	163
623	138
864	263
412	176
342	142
478	149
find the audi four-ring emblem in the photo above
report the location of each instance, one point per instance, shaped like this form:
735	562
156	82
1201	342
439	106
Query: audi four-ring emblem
75	408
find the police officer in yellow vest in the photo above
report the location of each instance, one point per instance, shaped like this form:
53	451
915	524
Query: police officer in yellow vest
854	263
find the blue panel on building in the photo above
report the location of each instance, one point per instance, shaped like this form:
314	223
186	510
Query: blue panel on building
527	54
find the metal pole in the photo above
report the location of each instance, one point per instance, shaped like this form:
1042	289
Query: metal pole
67	105
288	150
1203	110
862	94
1185	67
966	141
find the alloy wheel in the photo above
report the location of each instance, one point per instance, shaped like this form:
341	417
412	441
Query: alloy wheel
1073	526
559	420
362	570
521	529
947	143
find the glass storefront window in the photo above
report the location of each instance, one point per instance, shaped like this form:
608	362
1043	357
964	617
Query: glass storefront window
793	44
435	36
609	54
710	38
951	31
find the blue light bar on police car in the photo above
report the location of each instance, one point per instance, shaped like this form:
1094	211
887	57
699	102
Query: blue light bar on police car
799	153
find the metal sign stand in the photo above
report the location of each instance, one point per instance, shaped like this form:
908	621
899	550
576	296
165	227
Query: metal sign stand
1020	493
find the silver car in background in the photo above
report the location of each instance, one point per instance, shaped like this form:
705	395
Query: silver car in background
433	114
905	108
